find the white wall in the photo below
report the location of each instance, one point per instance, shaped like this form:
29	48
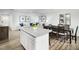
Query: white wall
5	17
16	15
9	13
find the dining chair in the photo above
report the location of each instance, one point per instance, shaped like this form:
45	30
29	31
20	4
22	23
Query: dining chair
61	33
75	34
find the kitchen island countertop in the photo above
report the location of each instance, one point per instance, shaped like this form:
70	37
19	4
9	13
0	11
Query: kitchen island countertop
35	32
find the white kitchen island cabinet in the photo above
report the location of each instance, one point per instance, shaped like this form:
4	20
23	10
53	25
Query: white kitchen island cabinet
34	39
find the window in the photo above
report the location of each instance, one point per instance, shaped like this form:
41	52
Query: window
68	19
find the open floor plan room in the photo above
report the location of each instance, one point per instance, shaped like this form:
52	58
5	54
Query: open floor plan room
39	29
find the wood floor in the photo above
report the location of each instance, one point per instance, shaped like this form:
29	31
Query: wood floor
61	45
14	43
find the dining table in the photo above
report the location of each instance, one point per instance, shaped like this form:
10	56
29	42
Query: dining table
57	29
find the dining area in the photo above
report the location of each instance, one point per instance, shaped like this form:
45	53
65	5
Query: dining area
63	32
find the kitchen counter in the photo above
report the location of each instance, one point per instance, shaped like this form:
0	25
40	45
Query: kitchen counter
34	39
35	32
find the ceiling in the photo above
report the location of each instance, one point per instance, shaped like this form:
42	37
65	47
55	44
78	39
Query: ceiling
46	10
39	10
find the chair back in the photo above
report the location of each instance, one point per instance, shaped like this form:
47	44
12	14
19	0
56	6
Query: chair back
66	27
76	30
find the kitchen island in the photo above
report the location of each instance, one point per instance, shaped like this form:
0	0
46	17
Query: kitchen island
34	39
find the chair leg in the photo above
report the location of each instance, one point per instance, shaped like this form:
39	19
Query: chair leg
49	42
75	39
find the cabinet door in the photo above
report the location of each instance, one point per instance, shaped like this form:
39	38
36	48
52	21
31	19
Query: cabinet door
4	33
26	40
31	43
